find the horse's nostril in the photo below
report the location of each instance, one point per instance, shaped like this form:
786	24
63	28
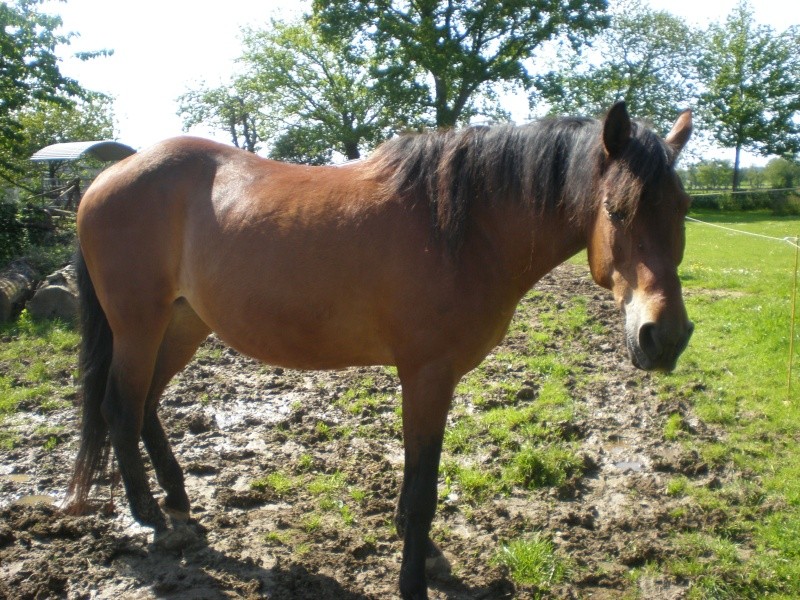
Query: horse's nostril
648	341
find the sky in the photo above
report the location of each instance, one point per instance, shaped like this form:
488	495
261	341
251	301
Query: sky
163	48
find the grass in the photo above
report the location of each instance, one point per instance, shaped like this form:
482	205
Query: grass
533	562
279	483
327	485
361	398
531	450
37	364
8	439
674	427
735	373
331	492
537	466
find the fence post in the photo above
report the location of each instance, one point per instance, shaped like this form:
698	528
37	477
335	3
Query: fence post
792	328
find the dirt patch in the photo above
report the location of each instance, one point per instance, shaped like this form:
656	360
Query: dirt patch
293	478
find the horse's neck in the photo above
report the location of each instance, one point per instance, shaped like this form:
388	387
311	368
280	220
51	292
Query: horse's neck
525	246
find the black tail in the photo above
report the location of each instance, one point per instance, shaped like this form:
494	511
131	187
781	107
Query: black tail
95	360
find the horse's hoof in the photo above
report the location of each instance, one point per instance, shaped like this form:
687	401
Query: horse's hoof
176	538
414	595
178	517
436	564
76	508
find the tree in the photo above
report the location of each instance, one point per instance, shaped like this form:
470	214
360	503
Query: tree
754	177
318	92
782	173
302	96
643	58
234	109
709	174
449	56
30	79
751	96
28	67
305	144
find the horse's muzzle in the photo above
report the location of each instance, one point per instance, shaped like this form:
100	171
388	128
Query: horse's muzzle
656	347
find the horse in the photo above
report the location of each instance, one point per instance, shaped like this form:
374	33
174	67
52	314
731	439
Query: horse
415	257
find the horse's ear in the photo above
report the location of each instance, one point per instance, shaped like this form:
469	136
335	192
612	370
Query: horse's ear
680	132
616	130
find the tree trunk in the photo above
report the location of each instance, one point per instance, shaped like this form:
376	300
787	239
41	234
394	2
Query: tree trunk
16	286
445	117
736	167
351	150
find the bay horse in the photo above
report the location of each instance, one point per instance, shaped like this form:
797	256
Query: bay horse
415	257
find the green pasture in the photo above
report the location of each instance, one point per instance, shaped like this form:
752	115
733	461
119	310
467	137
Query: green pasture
739	292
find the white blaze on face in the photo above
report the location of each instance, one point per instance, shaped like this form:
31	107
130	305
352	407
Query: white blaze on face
637	315
655	336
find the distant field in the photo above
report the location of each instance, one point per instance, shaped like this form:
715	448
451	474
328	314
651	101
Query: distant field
739	294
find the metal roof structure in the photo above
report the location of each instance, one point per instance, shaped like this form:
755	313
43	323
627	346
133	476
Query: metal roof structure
102	150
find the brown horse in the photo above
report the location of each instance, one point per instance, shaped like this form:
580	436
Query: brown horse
416	257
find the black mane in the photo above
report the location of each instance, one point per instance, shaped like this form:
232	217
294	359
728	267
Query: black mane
552	164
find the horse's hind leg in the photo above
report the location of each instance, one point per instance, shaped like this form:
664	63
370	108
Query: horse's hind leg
184	335
123	409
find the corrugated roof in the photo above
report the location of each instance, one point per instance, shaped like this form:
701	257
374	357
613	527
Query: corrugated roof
102	150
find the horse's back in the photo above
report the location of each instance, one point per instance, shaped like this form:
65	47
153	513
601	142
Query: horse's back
300	266
309	267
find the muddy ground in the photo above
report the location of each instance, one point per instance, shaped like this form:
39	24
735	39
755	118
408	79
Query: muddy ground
233	421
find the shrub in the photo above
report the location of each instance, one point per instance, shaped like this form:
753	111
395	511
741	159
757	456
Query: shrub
13	234
786	203
779	202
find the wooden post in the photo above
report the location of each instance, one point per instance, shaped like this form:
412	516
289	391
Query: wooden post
792	328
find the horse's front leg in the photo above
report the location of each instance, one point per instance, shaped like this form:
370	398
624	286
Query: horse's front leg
426	399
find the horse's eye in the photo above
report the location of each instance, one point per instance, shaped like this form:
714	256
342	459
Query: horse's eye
617	216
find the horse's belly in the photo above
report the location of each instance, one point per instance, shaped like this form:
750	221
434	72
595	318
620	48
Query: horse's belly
302	335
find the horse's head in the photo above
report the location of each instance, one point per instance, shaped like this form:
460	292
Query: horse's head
637	237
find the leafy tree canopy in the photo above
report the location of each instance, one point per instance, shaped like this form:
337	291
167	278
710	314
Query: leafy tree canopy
782	173
28	65
38	104
751	99
315	87
301	95
233	109
448	55
645	58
